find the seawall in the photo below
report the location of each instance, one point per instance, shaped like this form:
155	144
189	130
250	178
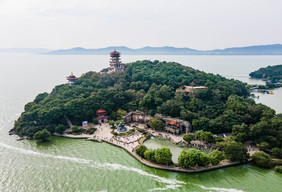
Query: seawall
154	165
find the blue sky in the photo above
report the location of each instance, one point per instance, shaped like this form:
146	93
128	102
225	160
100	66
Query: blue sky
199	24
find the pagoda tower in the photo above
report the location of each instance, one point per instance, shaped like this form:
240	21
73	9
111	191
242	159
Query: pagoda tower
115	62
72	78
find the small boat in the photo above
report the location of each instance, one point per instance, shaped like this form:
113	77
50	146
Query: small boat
270	92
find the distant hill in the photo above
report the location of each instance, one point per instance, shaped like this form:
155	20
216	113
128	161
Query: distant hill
127	51
275	49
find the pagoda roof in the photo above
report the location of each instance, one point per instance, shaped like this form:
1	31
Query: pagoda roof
172	122
71	76
115	52
100	111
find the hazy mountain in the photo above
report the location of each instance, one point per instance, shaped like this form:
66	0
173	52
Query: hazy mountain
250	50
126	51
275	49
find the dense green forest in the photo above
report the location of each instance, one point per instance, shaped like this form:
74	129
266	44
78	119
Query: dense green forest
151	86
272	73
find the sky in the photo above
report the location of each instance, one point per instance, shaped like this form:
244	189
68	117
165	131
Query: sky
197	24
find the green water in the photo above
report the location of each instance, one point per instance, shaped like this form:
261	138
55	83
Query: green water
80	165
157	142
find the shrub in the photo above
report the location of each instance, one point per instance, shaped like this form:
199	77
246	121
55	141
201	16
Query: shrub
121	113
91	130
141	150
277	152
198	134
235	151
204	159
42	135
189	137
156	123
193	157
263	145
216	156
76	130
278	168
163	156
218	139
51	128
60	128
112	123
261	159
150	155
207	137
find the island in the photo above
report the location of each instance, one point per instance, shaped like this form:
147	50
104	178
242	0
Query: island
271	74
128	103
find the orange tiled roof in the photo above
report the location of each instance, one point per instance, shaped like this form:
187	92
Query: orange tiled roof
172	122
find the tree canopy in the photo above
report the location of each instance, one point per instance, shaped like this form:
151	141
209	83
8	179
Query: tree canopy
141	150
163	156
270	73
193	157
152	86
261	159
235	152
156	123
42	135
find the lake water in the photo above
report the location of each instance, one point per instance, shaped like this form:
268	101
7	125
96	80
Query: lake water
80	165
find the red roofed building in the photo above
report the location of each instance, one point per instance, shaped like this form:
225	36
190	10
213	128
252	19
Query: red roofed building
101	116
173	124
72	78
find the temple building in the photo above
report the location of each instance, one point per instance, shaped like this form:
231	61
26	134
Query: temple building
71	79
115	64
101	116
190	89
137	116
174	125
171	125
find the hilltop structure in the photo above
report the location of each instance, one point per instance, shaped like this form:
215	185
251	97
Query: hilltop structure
190	89
115	64
71	79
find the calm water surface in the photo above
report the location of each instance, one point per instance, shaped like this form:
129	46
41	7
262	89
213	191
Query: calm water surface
79	165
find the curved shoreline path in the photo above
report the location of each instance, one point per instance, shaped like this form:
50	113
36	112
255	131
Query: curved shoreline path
129	143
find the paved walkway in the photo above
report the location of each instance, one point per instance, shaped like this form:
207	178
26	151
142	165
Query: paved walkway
251	148
103	133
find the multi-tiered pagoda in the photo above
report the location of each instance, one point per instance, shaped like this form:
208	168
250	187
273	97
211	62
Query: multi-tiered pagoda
72	78
115	64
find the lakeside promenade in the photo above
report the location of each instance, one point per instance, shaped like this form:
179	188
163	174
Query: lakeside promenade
131	142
